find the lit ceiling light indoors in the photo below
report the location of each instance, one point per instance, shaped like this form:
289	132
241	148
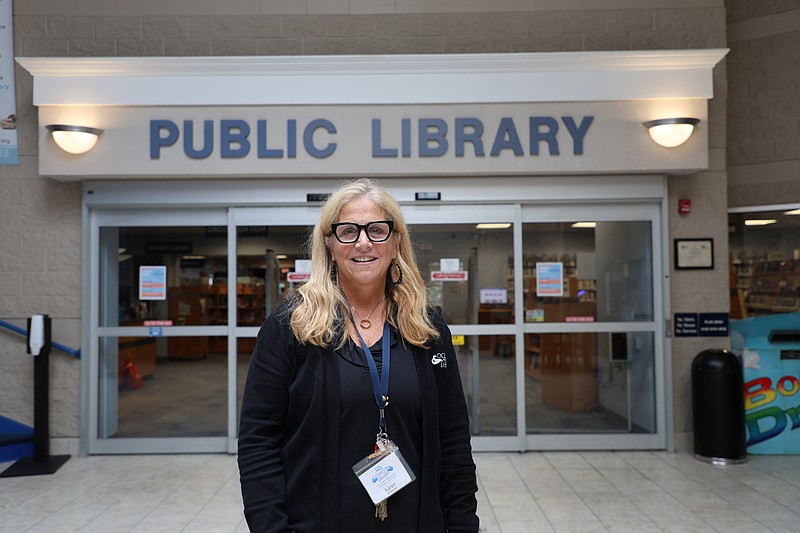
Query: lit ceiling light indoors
757	222
792	212
74	139
671	132
501	225
584	225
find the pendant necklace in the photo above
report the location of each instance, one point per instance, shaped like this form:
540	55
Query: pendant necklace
364	322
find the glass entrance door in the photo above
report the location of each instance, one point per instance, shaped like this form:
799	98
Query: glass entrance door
268	254
157	383
177	300
556	313
463	254
591	310
558	326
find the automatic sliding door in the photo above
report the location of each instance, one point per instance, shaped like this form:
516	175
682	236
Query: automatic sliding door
558	329
159	384
591	311
180	298
269	260
463	254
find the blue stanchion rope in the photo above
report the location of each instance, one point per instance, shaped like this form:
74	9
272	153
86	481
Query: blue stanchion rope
71	351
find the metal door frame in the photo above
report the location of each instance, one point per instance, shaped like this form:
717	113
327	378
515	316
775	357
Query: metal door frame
91	407
603	212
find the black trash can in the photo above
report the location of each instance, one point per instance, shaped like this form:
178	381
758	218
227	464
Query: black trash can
718	408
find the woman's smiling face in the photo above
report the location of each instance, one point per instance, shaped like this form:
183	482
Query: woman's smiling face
364	263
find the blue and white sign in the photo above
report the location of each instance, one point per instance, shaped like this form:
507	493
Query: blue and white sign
550	279
9	154
701	324
152	282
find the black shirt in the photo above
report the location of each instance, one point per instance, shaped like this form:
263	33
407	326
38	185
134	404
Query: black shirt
358	418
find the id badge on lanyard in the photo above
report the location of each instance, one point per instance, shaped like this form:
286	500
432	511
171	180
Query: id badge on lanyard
382	474
385	471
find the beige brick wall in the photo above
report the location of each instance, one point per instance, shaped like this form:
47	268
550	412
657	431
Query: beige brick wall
42	272
77	36
764	102
340	7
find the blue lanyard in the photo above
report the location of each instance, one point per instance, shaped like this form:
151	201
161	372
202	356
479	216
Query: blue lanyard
380	386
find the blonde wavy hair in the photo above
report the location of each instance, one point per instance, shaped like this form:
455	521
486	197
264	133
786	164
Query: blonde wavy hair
318	314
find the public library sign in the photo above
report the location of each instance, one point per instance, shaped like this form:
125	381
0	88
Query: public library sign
466	114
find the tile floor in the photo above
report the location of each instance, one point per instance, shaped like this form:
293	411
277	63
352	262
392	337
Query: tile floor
636	492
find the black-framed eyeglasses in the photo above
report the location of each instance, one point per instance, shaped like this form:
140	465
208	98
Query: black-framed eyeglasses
350	232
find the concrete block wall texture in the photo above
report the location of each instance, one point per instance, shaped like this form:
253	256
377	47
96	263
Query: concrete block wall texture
78	36
764	102
40	265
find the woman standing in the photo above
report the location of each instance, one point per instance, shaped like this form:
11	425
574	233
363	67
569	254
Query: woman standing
353	375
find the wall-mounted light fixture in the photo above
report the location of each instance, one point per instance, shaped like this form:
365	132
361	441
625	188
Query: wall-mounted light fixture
74	139
671	132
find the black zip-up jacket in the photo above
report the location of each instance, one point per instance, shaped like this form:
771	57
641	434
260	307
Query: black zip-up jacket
289	435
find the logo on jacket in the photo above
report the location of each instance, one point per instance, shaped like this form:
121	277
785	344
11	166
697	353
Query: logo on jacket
439	359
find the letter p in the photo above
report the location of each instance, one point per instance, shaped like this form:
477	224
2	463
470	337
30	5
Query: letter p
157	140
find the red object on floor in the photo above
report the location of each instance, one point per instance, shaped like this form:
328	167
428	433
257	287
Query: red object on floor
132	375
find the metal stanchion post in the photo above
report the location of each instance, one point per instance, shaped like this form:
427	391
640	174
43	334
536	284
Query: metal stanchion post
39	345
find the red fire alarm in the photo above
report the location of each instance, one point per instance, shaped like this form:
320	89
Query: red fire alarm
684	206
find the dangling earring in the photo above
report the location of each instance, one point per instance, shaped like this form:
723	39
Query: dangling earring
334	273
399	279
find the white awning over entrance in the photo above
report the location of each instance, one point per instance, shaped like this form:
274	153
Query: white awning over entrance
394	115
